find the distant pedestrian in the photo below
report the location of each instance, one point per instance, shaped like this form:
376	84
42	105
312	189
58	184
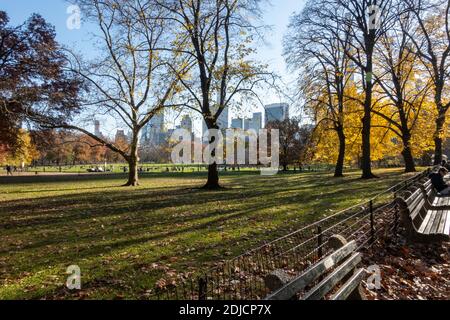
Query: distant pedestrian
8	170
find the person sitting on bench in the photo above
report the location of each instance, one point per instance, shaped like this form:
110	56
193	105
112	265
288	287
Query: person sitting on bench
437	179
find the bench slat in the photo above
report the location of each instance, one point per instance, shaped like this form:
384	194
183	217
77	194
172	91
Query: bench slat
350	286
447	224
425	222
319	291
416	210
434	216
441	202
441	225
436	223
413	198
298	284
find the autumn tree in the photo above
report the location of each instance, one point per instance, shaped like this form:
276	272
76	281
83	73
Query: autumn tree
33	83
293	140
365	22
25	152
431	41
216	35
315	49
135	78
403	88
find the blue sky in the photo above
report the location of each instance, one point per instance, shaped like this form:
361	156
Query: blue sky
276	15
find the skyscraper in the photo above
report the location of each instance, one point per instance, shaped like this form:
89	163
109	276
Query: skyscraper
256	123
186	123
154	132
247	123
236	123
277	112
97	131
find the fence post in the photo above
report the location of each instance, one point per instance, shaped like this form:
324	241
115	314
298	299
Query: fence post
372	222
320	242
396	220
202	288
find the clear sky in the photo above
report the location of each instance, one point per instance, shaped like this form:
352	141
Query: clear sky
55	12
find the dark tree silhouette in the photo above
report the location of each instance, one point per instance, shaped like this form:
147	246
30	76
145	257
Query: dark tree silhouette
33	83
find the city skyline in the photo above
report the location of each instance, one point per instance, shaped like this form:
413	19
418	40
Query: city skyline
270	50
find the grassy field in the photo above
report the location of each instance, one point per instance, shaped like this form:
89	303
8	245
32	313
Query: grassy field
146	167
125	240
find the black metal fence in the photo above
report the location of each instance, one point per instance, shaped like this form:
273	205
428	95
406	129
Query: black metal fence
243	277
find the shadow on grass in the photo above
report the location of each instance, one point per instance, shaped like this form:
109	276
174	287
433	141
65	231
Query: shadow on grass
63	229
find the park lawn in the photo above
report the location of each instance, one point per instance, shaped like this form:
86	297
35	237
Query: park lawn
125	240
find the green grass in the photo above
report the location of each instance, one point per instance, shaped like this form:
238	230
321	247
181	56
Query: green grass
118	168
125	239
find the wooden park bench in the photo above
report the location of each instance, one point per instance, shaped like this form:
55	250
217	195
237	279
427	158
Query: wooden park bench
338	275
425	216
433	200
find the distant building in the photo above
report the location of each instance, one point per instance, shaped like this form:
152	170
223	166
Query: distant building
186	123
247	123
277	112
154	133
120	136
223	119
97	131
237	123
256	123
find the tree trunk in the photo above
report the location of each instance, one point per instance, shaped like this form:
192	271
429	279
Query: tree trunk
366	164
366	161
438	152
213	173
133	176
407	155
213	178
339	170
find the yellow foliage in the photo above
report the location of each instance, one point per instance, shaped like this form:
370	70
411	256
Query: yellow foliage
25	154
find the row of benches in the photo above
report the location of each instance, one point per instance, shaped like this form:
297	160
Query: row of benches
426	217
338	277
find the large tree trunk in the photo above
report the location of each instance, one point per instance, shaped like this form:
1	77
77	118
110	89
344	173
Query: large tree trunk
407	154
366	161
438	136
339	170
213	173
213	178
366	164
133	176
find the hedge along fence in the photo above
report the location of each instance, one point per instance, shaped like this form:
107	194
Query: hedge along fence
242	278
